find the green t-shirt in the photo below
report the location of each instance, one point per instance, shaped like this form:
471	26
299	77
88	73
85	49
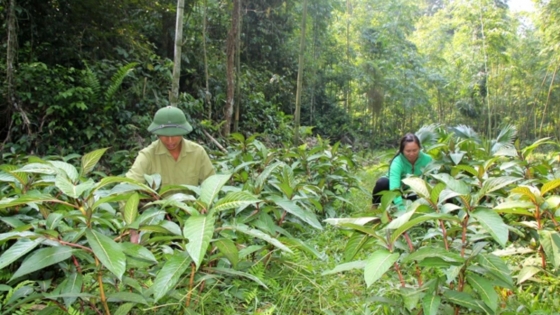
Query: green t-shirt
401	167
192	167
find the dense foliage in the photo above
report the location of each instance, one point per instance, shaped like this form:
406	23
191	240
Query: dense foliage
486	213
76	242
89	74
482	237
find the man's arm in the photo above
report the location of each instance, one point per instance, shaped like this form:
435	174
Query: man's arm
139	168
206	167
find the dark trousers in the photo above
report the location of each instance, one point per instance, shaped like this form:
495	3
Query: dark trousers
381	185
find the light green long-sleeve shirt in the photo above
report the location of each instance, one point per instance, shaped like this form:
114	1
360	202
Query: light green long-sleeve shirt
401	167
192	167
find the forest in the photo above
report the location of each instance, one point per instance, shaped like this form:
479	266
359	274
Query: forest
300	105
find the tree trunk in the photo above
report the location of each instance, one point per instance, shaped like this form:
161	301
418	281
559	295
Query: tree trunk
238	69
174	95
206	75
300	74
347	96
550	88
11	53
230	53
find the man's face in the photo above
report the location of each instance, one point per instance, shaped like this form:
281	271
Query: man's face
172	143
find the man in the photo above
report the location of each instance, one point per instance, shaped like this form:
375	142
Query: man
177	160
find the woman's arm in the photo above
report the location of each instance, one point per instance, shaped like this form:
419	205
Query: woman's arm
395	175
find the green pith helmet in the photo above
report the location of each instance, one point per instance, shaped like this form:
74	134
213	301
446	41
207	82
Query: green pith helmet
170	121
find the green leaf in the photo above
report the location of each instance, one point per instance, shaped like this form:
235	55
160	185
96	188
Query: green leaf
124	309
493	223
456	157
434	252
550	242
528	191
31	197
130	211
67	169
198	230
428	217
436	262
354	245
13	222
211	187
71	286
358	264
304	215
109	253
453	184
235	200
418	185
378	264
485	290
410	297
126	297
357	221
138	252
17	235
170	274
515	204
265	174
19	249
467	168
496	266
495	183
436	190
227	248
259	234
528	150
232	272
548	186
400	221
7	178
42	258
90	160
39	168
52	220
462	299
117	79
117	179
71	190
527	273
430	304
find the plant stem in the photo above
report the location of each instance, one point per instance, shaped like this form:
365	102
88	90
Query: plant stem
411	248
538	217
101	290
543	256
444	232
398	269
191	284
72	244
77	264
464	235
409	242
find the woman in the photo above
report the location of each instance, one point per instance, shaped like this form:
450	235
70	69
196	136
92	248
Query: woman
408	161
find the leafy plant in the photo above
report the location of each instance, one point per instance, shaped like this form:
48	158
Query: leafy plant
451	236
